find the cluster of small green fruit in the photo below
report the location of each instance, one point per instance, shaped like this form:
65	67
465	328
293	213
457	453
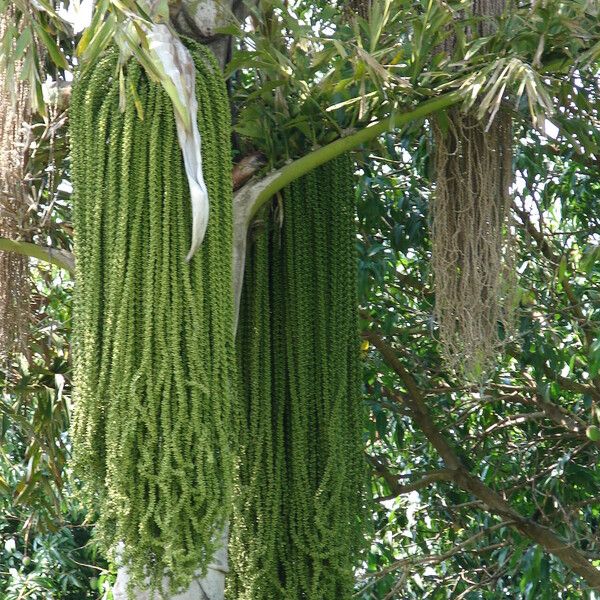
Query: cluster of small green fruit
153	340
297	527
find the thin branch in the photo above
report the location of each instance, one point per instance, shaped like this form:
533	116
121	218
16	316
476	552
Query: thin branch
398	488
513	420
557	413
437	558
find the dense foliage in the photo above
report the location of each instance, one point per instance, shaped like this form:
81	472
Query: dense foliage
46	547
523	435
154	368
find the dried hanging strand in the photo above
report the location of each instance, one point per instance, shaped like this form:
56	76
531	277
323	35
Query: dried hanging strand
153	343
298	526
472	242
15	286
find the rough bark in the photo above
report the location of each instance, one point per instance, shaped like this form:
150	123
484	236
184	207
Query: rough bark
201	20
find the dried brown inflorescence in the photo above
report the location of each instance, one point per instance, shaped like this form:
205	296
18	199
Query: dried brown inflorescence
472	240
472	249
15	114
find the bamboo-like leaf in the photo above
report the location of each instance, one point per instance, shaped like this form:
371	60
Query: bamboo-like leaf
349	102
23	43
155	70
90	31
55	53
99	42
136	100
476	46
380	12
340	48
5	489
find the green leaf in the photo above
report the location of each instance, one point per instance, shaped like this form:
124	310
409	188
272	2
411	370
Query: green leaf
23	43
55	53
100	40
594	358
562	268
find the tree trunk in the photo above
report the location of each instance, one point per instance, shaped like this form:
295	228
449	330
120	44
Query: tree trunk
209	587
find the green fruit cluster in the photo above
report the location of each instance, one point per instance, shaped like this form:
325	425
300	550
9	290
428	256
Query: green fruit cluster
153	343
298	523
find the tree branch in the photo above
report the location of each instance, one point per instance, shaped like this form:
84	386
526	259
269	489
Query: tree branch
398	488
544	536
438	558
556	413
55	256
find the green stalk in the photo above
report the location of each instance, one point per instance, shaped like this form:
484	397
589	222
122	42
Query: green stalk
311	161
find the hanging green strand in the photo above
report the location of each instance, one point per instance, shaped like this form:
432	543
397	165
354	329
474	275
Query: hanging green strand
298	524
153	341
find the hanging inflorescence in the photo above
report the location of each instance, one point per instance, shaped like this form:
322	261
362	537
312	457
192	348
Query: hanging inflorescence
471	240
15	114
297	527
471	237
153	339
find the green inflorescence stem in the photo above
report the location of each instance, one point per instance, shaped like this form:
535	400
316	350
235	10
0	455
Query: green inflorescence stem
311	161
